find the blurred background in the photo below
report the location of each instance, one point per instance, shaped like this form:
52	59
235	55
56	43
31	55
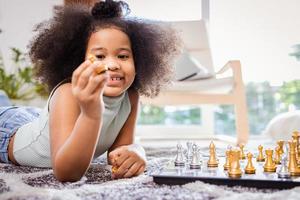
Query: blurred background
263	35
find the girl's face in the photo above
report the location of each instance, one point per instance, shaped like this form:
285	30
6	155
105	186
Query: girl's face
112	47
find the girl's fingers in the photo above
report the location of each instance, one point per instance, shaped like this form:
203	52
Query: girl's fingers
85	75
140	170
132	170
121	159
96	82
79	70
124	167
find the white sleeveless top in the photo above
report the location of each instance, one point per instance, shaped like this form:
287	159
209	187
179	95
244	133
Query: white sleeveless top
32	144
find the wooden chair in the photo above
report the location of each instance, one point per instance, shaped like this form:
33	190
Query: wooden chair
218	89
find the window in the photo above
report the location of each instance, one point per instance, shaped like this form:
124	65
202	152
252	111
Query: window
170	115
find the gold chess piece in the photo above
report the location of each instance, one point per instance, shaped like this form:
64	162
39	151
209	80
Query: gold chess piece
280	144
212	161
296	136
270	165
114	169
242	156
235	169
228	160
92	58
260	157
294	169
277	157
296	150
101	68
249	169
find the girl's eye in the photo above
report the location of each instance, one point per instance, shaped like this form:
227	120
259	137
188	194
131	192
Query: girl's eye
100	57
123	56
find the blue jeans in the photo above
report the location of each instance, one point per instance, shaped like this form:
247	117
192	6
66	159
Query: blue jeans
12	118
4	100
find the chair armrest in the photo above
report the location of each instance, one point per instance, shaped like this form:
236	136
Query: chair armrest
235	66
232	64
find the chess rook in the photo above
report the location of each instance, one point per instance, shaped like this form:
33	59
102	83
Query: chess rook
270	165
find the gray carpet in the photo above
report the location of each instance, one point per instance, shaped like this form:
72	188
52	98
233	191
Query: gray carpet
19	182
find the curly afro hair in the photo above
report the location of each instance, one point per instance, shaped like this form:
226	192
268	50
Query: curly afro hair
60	45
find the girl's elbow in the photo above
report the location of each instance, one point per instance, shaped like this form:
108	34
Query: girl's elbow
63	174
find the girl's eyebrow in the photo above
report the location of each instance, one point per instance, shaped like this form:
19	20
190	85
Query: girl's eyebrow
119	49
97	48
124	49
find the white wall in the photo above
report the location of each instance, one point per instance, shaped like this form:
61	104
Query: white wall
260	33
171	10
17	21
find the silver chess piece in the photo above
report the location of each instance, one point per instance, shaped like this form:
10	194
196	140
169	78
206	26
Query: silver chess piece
179	160
189	153
283	171
195	163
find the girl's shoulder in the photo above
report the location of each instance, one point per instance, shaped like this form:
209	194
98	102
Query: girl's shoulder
61	94
133	96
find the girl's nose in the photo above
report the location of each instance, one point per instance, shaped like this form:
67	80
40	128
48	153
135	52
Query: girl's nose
112	66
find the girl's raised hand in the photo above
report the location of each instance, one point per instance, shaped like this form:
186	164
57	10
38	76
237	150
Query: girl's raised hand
87	87
126	163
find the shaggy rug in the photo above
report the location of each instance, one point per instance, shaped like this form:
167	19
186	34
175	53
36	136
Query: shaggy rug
19	182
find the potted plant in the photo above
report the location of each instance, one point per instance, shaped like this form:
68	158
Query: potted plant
19	85
296	52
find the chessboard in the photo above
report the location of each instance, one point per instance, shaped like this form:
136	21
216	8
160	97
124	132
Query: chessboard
259	170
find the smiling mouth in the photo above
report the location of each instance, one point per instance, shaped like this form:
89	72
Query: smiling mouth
116	78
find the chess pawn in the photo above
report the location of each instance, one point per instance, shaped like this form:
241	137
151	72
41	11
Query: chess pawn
292	164
277	157
283	171
212	161
270	165
235	169
260	157
249	169
242	156
280	144
179	160
228	158
195	163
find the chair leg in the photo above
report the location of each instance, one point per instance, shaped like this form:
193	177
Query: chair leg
240	105
241	120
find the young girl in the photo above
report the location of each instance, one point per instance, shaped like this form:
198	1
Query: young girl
89	113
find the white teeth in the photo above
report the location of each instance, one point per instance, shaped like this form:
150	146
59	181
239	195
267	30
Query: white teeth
116	79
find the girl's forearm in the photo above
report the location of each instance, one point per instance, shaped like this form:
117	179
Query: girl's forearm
74	157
